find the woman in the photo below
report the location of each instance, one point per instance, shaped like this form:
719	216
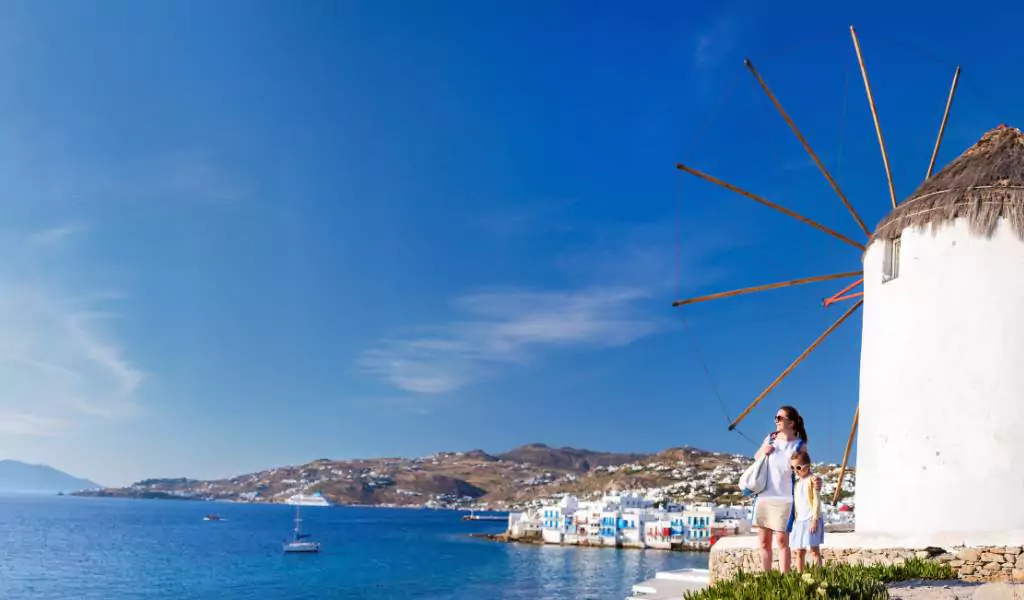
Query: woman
773	507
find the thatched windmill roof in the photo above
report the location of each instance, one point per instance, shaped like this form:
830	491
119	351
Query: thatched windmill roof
984	183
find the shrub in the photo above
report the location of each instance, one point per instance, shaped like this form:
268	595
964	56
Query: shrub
913	568
834	581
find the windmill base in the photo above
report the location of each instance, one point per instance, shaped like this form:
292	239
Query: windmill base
979	557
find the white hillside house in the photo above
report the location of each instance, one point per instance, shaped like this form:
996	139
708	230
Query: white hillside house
942	359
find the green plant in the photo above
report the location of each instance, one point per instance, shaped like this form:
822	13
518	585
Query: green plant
834	581
913	568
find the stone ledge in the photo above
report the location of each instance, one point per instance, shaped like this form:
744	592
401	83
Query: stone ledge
972	563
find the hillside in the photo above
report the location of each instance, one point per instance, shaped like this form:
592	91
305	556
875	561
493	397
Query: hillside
475	478
569	459
16	476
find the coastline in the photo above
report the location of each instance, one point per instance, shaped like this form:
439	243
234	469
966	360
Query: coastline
536	540
154	495
506	537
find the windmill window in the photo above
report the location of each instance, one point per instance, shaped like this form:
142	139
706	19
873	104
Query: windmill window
891	261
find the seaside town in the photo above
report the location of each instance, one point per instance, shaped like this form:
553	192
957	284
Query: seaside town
682	499
525	479
645	520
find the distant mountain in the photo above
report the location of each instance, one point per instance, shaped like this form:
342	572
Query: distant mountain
447	479
570	459
16	476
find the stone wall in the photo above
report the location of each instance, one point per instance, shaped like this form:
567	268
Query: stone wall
983	563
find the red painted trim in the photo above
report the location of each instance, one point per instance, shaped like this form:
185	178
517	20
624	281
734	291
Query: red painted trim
838	296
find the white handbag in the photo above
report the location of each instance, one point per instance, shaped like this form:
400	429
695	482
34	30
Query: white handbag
755	478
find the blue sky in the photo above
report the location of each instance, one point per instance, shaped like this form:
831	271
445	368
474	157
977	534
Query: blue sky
246	234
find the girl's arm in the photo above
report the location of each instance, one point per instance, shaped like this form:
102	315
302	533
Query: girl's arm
816	523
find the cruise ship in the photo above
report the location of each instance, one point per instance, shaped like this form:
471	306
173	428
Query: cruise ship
314	499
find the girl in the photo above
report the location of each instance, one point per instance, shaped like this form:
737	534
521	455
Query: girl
808	530
773	507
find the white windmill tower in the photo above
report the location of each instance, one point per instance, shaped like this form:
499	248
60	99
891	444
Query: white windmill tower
942	356
942	363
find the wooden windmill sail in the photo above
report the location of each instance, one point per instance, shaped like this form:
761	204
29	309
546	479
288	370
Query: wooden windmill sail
847	293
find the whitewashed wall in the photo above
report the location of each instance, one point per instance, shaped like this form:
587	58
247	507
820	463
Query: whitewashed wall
941	442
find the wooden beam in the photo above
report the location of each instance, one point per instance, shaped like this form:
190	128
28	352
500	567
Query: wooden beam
770	204
942	127
846	297
874	115
796	362
807	146
839	295
765	287
846	455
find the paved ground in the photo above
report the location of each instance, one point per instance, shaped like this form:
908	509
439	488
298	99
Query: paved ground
955	590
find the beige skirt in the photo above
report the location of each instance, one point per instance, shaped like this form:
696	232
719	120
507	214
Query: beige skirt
773	513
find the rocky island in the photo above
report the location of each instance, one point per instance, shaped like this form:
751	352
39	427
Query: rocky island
507	481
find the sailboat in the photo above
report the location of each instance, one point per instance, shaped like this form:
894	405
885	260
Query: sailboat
297	544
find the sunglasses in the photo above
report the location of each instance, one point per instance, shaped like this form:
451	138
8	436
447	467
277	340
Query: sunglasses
801	467
781	418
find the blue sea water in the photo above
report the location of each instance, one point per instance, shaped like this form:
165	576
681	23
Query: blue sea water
90	549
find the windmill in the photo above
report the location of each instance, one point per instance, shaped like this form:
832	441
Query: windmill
847	293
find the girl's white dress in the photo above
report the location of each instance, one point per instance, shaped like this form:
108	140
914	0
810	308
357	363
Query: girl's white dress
806	506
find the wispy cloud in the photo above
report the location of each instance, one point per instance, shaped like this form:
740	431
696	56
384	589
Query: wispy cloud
618	289
102	353
499	328
60	359
18	423
55	236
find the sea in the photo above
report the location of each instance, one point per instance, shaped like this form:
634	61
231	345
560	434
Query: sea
65	547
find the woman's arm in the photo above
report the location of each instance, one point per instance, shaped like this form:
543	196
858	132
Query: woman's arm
765	449
816	479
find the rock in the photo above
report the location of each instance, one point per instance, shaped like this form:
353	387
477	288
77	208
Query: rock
931	590
955	564
968	554
991	567
999	591
992	557
967	569
1014	550
1017	575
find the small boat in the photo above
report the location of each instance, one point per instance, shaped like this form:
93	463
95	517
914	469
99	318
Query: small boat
297	544
212	517
314	499
472	516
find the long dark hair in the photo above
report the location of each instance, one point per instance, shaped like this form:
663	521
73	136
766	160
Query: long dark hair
798	422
